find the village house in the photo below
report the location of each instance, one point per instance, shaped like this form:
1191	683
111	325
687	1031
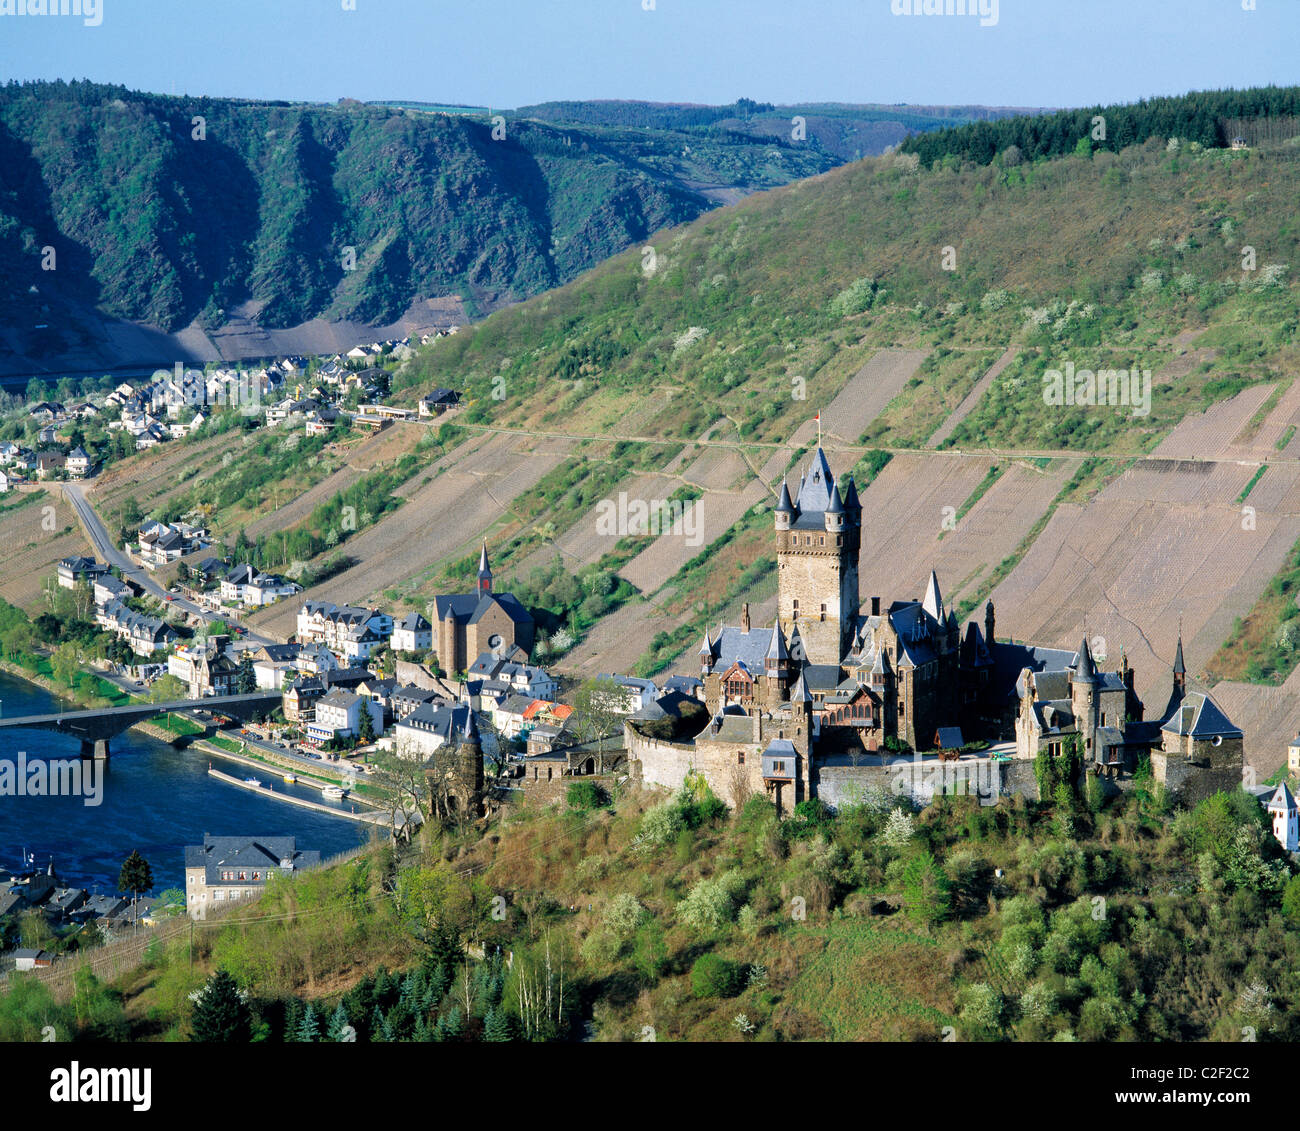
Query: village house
78	463
412	634
430	727
438	402
300	697
510	675
49	464
244	585
338	716
145	634
80	571
205	667
109	588
225	868
162	543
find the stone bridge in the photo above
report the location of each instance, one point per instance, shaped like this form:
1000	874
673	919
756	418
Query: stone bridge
95	728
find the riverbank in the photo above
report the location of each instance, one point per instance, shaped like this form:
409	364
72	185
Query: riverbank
371	817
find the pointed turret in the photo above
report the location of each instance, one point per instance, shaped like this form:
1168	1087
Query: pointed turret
799	693
1180	669
785	505
933	601
776	650
1086	671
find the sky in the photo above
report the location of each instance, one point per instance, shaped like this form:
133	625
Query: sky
508	53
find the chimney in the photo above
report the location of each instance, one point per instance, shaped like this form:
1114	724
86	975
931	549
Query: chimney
744	617
875	606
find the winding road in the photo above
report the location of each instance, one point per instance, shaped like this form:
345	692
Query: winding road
105	549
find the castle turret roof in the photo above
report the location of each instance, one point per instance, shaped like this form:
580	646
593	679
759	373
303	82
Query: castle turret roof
777	650
785	506
1085	670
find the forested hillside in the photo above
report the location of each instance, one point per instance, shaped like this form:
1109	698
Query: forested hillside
1211	118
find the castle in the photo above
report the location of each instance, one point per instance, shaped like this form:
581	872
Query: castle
826	682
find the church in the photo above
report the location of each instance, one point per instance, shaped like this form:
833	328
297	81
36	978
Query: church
829	680
465	625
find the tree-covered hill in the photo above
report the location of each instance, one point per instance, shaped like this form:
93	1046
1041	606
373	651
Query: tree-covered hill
1211	118
163	210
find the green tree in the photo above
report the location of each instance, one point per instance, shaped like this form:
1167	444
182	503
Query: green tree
1291	901
499	1026
308	1031
221	1015
714	976
366	727
136	876
598	708
246	678
927	890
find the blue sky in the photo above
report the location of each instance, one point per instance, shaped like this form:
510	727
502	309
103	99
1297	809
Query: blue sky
506	53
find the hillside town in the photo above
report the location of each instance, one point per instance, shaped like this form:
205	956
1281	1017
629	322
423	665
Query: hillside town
74	439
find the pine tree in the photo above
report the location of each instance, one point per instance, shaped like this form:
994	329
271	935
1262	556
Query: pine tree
246	678
500	1026
338	1023
450	1025
377	1030
220	1012
309	1026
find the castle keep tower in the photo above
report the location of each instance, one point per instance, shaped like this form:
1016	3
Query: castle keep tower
818	536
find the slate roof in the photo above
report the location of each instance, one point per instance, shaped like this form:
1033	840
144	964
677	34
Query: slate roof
444	719
733	644
218	852
1282	799
470	608
1200	717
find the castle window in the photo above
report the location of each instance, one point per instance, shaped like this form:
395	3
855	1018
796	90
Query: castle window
823	539
740	757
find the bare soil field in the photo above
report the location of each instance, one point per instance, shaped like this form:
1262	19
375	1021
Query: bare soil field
906	505
715	512
29	552
1213	431
869	390
1164	541
443	518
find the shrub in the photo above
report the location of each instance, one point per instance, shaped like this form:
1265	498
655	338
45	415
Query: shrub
661	824
712	903
623	915
584	796
714	976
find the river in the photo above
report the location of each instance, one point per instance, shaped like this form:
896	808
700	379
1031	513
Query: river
156	799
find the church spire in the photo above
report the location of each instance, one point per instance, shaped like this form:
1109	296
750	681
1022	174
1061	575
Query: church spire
484	571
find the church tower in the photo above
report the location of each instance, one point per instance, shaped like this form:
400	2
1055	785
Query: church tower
484	572
818	535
